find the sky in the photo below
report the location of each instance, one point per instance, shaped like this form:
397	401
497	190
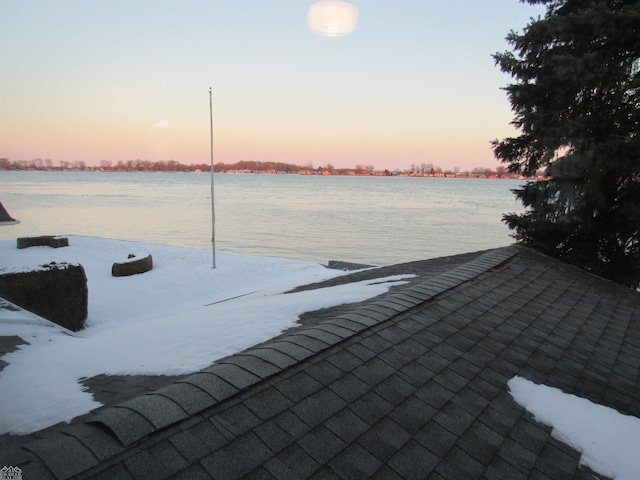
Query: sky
129	79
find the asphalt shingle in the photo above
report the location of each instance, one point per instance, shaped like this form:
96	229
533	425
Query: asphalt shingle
158	410
197	441
237	458
190	398
66	457
213	385
156	463
322	444
292	462
127	425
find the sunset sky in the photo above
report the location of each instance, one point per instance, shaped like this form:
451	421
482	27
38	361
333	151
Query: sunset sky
118	80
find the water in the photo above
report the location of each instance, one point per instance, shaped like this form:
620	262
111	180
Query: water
372	220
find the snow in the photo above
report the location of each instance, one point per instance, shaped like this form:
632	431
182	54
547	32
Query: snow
12	313
175	319
34	268
609	441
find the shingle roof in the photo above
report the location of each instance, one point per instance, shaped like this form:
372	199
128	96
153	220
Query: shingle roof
412	384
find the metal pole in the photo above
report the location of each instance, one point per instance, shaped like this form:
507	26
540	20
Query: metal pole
213	210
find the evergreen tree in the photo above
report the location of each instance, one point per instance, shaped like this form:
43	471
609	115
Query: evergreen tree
576	104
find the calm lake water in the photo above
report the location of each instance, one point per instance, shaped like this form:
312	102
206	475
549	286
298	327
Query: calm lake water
372	220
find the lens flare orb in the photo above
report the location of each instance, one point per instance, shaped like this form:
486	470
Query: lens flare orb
332	18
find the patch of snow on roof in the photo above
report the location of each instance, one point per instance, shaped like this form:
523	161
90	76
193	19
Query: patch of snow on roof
609	441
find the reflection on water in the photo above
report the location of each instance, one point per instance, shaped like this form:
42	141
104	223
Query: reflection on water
361	219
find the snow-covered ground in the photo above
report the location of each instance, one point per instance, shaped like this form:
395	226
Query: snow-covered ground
177	318
609	441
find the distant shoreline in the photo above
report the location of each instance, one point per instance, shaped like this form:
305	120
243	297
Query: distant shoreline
341	173
428	170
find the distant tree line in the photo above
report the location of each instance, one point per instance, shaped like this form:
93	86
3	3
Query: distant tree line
105	165
250	166
152	166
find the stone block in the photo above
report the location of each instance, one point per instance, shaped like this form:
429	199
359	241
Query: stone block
43	241
57	292
132	266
